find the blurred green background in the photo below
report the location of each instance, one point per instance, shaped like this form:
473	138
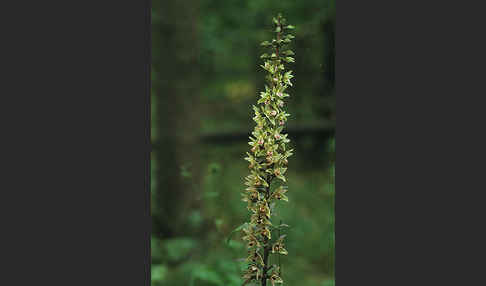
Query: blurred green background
205	77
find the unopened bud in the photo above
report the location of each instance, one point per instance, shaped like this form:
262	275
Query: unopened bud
273	113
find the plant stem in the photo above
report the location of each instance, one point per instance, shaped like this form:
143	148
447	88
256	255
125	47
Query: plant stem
278	35
266	249
266	252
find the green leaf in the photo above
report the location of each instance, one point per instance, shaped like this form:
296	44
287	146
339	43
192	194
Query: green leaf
290	27
289	59
179	248
204	275
272	120
159	272
236	230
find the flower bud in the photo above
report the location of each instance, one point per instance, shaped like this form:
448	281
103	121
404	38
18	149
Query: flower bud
273	112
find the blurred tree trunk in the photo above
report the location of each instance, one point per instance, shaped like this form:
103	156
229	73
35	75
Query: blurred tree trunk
176	86
328	28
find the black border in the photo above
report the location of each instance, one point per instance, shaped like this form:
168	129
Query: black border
148	150
78	89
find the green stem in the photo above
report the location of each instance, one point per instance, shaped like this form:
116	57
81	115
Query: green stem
266	250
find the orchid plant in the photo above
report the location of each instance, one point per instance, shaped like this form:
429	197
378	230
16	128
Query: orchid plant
268	160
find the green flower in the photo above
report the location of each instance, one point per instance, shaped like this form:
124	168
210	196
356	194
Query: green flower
279	193
279	247
274	278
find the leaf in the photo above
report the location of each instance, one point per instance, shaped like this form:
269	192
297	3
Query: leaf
272	120
179	248
240	227
289	59
283	251
159	272
290	27
203	274
261	100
